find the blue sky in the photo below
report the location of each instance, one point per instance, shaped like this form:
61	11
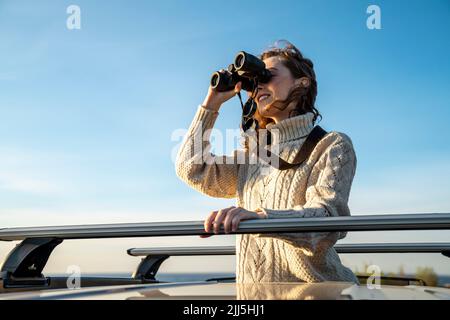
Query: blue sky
86	116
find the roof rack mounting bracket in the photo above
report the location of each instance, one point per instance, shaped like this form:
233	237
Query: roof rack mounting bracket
147	269
24	264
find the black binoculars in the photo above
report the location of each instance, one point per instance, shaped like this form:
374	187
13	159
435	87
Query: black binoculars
246	68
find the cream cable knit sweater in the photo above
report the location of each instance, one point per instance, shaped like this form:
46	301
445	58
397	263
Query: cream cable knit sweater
318	188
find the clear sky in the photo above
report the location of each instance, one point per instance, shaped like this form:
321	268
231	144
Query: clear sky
86	116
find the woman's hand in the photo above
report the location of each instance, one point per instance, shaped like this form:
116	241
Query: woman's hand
229	218
214	99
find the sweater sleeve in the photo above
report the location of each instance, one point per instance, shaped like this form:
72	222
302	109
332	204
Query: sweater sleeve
215	176
327	195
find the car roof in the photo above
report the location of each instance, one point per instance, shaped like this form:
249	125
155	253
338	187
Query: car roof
230	291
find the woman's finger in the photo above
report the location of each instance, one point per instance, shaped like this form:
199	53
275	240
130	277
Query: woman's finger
209	220
227	222
238	87
219	219
235	222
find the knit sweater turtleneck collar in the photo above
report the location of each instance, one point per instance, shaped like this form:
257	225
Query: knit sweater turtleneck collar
292	128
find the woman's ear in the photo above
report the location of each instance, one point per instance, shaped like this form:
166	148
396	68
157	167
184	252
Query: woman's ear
304	82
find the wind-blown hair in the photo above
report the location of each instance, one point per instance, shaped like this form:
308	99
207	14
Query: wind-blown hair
299	67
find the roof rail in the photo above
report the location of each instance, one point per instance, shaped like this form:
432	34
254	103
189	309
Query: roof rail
24	264
426	221
154	257
415	247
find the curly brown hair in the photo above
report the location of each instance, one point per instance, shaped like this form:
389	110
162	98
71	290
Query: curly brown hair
299	66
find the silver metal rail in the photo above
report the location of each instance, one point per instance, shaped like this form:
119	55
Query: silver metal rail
154	257
183	251
427	221
417	247
340	248
23	266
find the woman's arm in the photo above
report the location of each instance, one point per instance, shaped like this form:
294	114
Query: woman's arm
212	175
327	193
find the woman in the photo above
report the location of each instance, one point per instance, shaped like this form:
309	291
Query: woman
319	187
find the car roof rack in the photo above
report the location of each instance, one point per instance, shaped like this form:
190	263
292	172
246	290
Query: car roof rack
24	264
154	257
424	221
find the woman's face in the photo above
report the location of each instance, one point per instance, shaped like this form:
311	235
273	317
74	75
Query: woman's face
277	89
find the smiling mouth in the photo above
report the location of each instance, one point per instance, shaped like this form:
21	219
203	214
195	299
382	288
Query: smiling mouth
263	97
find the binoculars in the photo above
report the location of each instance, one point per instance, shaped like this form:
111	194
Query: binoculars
246	68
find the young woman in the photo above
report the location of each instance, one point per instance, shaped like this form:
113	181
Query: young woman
319	187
